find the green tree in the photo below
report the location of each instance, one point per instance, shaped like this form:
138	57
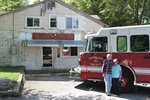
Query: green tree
126	12
8	5
116	12
88	6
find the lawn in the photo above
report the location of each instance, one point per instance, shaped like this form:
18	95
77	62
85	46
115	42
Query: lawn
11	73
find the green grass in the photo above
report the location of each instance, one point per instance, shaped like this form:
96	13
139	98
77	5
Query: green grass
11	73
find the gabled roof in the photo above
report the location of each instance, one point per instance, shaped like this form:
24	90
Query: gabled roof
64	4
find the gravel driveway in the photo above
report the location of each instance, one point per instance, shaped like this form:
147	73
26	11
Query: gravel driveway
56	87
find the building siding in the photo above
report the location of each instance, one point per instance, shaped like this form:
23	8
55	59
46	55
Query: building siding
31	57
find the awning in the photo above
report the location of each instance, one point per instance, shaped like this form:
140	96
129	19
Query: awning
53	43
40	43
72	43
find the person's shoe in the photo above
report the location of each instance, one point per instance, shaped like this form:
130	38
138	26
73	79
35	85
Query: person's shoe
108	94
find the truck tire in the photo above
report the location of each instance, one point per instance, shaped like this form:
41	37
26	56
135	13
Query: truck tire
127	83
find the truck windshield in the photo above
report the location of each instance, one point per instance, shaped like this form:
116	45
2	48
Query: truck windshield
99	44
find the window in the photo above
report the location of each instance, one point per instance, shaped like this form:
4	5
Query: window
85	44
71	23
33	22
98	44
70	51
139	43
52	4
74	23
121	43
74	51
53	21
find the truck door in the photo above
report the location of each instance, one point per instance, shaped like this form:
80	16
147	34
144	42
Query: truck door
94	59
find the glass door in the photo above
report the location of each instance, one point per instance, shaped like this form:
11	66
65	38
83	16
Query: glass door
47	57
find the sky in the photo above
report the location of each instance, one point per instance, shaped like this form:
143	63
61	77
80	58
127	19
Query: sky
31	2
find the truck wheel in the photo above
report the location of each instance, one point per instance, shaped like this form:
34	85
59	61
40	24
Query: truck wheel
127	82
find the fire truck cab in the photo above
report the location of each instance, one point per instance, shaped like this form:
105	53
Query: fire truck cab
129	44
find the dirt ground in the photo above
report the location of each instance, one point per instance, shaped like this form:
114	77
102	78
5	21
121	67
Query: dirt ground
57	87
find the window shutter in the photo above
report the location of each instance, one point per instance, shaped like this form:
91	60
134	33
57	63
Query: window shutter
61	23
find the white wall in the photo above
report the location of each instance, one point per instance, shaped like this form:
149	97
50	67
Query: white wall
31	57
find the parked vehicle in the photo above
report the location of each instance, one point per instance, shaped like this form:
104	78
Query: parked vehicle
66	51
129	44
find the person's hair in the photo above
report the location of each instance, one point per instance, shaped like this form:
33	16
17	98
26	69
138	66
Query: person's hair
115	60
108	55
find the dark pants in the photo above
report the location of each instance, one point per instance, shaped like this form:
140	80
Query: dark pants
116	85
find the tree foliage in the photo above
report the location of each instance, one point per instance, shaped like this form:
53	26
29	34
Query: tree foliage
8	5
116	12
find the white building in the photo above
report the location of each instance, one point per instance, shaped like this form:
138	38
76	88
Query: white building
46	35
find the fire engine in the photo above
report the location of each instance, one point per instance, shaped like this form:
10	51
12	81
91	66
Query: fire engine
129	44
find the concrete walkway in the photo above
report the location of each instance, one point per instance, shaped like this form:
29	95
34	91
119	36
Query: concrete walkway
61	87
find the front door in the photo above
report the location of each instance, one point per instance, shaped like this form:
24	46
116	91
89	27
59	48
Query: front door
47	57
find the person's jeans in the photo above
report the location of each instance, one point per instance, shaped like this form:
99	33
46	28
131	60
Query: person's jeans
116	85
108	82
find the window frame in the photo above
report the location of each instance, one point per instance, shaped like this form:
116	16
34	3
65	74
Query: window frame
50	20
72	23
91	46
33	17
140	35
126	43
